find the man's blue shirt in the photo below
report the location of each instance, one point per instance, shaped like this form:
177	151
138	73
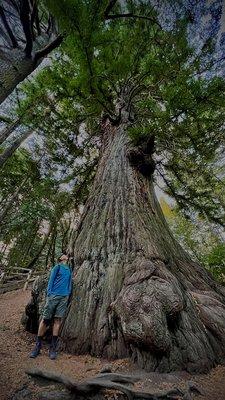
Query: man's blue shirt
60	281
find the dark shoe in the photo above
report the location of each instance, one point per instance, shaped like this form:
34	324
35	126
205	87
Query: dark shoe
52	354
36	351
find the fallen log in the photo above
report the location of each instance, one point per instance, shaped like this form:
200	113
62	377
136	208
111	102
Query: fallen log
112	381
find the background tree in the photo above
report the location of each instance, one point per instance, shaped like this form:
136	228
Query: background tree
204	241
28	33
37	209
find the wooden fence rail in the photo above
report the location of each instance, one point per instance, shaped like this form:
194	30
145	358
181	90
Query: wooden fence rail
17	278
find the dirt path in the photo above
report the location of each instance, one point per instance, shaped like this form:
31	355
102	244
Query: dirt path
15	345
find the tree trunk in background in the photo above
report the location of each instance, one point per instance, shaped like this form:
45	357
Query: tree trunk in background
6	132
27	34
53	245
11	201
10	150
136	292
14	68
30	243
42	247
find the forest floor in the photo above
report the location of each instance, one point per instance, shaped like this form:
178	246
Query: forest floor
15	345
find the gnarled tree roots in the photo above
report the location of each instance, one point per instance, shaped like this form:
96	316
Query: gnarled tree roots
107	381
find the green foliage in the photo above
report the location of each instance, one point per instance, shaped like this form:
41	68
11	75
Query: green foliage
104	64
100	60
201	240
215	261
37	205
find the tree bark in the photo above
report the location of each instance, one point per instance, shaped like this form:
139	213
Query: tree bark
15	66
53	245
6	132
136	292
25	41
11	201
9	151
42	247
30	243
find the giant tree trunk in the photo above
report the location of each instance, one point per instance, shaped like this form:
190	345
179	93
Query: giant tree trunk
136	292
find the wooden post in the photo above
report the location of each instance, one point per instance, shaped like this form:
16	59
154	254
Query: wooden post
2	277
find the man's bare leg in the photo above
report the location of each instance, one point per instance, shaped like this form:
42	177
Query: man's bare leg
42	328
55	335
56	326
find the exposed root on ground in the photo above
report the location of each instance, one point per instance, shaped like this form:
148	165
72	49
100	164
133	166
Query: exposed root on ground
111	381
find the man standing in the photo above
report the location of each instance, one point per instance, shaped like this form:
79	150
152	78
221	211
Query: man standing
58	292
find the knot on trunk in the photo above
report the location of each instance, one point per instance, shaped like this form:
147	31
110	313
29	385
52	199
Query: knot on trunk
140	157
148	308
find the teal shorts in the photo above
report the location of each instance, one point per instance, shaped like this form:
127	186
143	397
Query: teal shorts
55	307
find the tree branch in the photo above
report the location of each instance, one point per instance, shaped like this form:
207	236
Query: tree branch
47	49
26	24
5	119
6	132
183	201
8	29
33	16
131	15
109	8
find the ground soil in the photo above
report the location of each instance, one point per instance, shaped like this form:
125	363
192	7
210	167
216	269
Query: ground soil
15	345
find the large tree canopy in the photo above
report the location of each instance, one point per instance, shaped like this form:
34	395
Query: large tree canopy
131	90
111	48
